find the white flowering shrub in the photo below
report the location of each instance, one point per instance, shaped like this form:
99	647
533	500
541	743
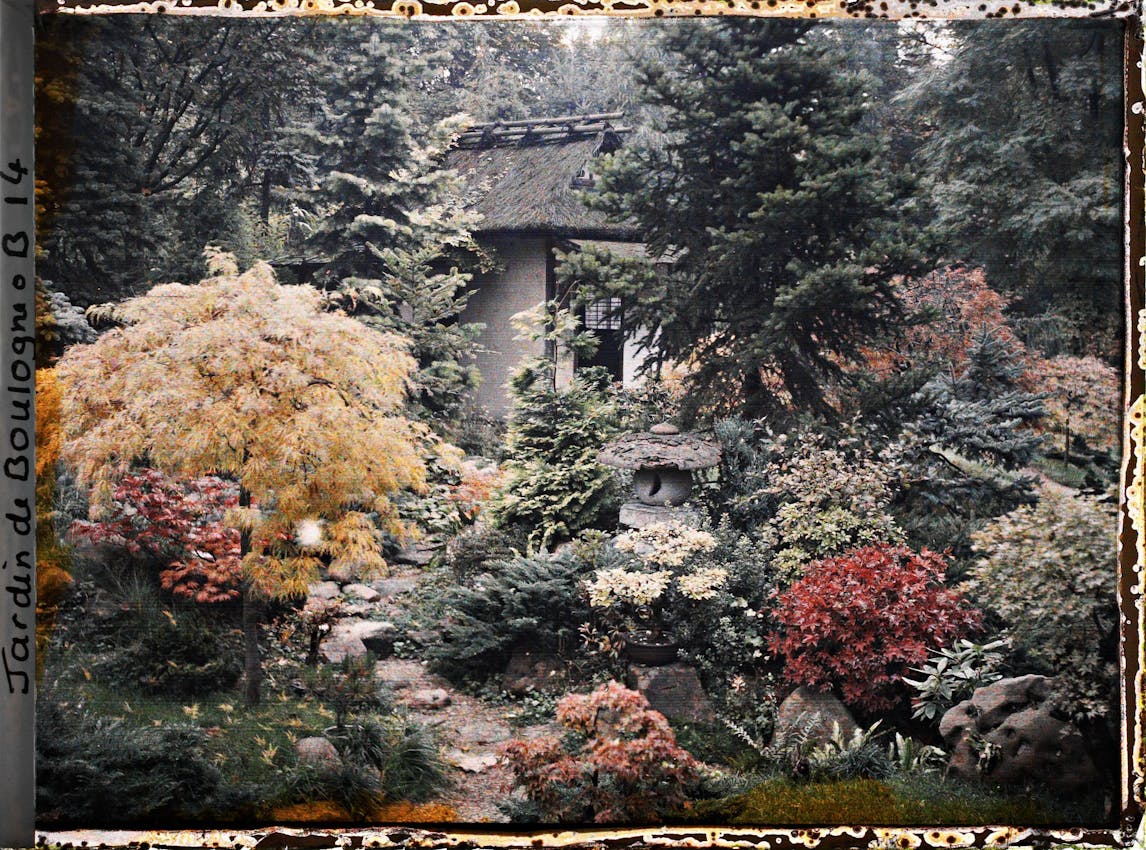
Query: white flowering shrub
666	544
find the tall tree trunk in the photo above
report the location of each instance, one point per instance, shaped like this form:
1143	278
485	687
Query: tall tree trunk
265	197
252	611
252	663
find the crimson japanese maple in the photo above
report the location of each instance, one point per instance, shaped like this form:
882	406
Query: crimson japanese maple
855	623
180	523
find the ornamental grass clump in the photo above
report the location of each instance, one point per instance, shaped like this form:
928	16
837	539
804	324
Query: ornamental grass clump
618	762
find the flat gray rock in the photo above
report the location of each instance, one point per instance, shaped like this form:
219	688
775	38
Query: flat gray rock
428	699
472	762
323	590
363	592
395	586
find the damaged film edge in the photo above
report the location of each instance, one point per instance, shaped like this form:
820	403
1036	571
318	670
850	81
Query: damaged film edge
17	490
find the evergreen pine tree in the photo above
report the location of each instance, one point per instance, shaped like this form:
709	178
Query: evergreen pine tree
393	229
965	453
983	413
1020	129
769	201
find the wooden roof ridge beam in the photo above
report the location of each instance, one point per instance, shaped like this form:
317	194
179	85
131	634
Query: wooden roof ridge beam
563	119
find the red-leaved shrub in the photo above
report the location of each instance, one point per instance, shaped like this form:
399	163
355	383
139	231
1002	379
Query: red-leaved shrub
180	523
855	623
621	763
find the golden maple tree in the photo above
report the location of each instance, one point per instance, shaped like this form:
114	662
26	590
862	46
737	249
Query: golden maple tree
244	378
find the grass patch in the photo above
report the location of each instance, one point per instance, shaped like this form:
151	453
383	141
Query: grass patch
909	801
1066	474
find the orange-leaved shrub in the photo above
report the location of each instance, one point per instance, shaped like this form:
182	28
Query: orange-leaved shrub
857	622
619	762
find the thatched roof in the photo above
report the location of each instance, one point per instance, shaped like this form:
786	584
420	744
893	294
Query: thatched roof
523	176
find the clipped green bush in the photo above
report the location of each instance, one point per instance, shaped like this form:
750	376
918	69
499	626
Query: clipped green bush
556	486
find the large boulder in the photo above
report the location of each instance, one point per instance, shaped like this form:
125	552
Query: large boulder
674	690
813	716
1007	733
353	638
317	752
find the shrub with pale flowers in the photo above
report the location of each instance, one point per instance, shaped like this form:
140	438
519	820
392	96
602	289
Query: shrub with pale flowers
639	596
666	544
702	584
619	585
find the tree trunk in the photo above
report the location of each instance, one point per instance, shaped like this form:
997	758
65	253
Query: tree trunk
252	614
265	197
252	663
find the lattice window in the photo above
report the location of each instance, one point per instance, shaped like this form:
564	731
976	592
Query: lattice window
603	315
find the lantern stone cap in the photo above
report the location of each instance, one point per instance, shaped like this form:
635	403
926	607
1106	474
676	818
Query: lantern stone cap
663	447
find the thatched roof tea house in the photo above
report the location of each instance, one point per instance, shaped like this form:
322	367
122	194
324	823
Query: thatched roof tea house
525	178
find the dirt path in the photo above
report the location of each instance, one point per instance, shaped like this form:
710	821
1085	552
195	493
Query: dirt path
470	732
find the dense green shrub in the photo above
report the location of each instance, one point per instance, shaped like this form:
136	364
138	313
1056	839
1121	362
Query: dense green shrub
730	639
964	456
180	656
475	547
535	601
1048	573
97	771
556	487
806	495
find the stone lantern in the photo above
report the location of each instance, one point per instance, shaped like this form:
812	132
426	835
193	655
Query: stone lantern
662	461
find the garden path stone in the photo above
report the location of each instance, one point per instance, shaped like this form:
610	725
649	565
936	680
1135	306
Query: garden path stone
470	731
361	591
418	555
428	699
400	673
323	590
395	586
471	762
